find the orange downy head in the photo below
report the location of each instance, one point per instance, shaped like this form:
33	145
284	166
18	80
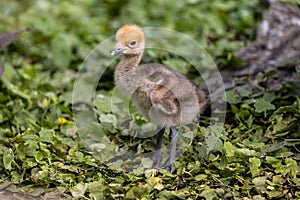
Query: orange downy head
130	40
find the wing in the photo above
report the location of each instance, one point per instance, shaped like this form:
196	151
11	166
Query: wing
164	99
161	96
168	91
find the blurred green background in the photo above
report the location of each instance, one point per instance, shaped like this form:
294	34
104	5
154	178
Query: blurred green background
61	33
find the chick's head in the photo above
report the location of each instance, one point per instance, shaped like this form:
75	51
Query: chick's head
130	40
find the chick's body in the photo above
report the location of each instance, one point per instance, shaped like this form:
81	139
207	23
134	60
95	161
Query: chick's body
164	96
161	94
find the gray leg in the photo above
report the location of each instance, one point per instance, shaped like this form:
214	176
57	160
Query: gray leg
157	154
173	140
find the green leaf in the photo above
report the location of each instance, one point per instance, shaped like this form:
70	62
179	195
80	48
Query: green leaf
255	166
244	92
109	118
274	162
270	73
14	89
31	137
245	152
97	147
293	167
8	158
155	182
274	193
287	109
46	135
39	156
147	162
16	178
274	147
261	105
136	191
223	161
233	60
209	194
259	181
213	142
230	149
9	73
200	177
78	190
231	97
269	96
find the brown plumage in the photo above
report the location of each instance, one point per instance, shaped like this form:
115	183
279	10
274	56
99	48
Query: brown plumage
164	96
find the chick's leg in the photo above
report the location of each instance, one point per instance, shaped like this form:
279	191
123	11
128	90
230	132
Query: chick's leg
173	140
157	154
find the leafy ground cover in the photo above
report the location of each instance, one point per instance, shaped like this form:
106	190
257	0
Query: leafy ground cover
255	155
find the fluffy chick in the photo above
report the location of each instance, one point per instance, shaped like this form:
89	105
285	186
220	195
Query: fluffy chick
164	96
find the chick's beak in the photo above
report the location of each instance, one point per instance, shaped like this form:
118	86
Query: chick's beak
118	49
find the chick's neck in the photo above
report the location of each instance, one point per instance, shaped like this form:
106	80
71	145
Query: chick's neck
129	62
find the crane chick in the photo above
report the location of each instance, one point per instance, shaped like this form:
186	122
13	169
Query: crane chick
164	96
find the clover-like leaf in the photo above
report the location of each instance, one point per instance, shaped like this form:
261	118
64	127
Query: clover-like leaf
213	142
231	97
261	105
244	92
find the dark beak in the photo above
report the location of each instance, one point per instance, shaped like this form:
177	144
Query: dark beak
117	50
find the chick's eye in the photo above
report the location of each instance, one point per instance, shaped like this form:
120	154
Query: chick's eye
133	43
